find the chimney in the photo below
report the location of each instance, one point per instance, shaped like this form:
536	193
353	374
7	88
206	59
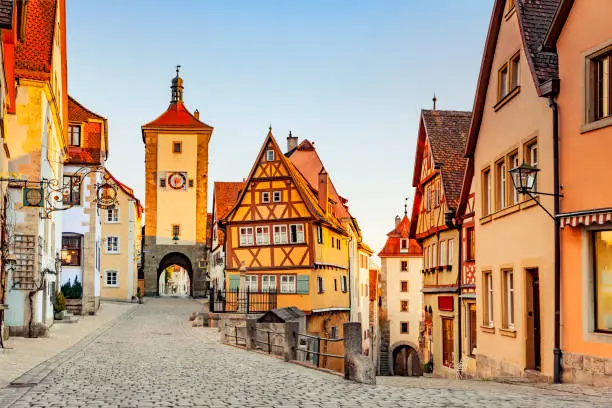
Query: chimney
291	142
397	220
197	114
323	189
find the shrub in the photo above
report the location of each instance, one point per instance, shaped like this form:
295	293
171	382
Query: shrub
74	290
60	303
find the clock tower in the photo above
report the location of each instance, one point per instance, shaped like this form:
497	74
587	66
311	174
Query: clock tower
176	186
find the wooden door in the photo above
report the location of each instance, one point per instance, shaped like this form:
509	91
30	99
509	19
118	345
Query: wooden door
532	307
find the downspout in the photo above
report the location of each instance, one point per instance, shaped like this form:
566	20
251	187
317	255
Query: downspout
557	336
459	273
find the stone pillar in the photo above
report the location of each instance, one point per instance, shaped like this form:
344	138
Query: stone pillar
290	341
251	333
352	338
357	367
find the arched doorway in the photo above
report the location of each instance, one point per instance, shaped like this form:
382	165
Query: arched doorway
406	361
178	265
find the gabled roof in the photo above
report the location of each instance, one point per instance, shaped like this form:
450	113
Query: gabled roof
561	15
302	186
225	195
446	132
127	190
33	55
90	151
6	13
392	246
177	115
79	113
534	19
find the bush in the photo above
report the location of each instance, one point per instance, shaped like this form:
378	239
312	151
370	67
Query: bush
60	303
74	290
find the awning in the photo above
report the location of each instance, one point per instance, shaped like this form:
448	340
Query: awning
589	217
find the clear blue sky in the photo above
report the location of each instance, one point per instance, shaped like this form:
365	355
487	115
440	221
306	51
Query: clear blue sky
350	75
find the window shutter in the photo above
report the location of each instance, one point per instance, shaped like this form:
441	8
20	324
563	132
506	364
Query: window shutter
234	282
303	284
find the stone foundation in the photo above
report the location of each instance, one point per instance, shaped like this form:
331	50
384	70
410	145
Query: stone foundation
487	367
587	370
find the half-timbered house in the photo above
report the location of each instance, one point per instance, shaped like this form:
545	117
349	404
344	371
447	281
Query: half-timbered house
438	175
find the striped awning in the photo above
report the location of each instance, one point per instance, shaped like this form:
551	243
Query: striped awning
596	217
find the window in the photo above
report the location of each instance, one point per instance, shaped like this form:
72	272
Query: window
162	182
112	245
333	243
434	254
337	244
177	147
287	284
403	245
334	332
280	234
270	155
486	190
404	327
320	285
513	162
276	196
426	257
515	71
246	236
487	279
268	283
71	250
531	157
297	233
501	185
471	244
436	195
448	342
190	183
509	76
112	215
111	278
404	286
600	81
403	305
503	82
74	135
251	283
335	285
265	197
443	253
176	230
72	190
472	325
428	197
602	241
508	299
344	283
404	266
319	234
262	235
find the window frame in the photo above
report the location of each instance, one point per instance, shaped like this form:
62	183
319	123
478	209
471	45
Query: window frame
265	233
404	246
72	126
278	236
470	243
488	299
509	300
451	252
274	196
402	331
270	155
115	218
70	248
320	284
73	181
243	238
402	308
593	103
501	185
289	279
248	281
528	153
180	147
319	234
442	253
343	283
265	197
106	245
106	276
511	89
487	207
407	285
596	289
448	344
176	230
403	266
266	283
297	234
512	162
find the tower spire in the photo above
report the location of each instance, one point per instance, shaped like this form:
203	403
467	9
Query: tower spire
177	87
406	207
434	99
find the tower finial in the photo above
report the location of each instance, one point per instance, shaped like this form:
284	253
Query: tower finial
178	68
406	207
177	87
434	99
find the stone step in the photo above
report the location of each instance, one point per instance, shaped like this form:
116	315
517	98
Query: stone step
68	320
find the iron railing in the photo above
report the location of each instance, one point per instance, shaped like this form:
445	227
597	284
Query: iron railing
309	347
242	301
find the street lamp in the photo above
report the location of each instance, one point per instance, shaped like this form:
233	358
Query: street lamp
524	178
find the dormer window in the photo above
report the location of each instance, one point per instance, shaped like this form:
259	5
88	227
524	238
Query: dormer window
404	245
74	135
270	155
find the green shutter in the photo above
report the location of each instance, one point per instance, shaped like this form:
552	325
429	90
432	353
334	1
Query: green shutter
303	284
234	282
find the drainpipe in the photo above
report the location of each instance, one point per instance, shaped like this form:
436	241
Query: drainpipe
557	340
459	275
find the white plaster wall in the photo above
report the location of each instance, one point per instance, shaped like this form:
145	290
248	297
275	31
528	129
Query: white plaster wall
131	266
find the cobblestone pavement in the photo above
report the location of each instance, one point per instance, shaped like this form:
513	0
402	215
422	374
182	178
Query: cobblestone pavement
151	357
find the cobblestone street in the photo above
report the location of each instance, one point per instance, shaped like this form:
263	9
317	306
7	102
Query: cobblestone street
152	357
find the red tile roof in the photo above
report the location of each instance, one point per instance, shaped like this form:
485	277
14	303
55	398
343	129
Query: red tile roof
33	55
447	133
392	246
127	190
90	151
79	113
177	115
225	195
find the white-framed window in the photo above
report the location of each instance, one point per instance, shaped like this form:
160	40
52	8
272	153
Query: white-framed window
112	245
251	283
320	284
451	247
532	158
276	196
487	278
501	185
403	245
112	215
297	233
319	234
74	135
262	235
509	299
513	161
280	234
287	284
265	196
434	253
111	278
270	155
343	283
246	236
268	283
443	253
425	257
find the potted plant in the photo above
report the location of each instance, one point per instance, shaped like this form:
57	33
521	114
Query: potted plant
428	367
59	306
139	296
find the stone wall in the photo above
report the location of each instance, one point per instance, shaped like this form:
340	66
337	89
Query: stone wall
588	370
487	367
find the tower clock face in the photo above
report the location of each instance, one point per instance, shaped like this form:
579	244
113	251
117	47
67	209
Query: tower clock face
177	181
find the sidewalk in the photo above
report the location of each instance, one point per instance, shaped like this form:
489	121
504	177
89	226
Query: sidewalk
22	354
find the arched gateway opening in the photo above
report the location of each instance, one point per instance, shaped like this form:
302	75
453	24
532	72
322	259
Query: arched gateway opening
175	275
406	361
